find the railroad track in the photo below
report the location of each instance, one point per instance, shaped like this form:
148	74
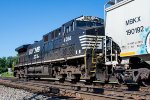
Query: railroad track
79	91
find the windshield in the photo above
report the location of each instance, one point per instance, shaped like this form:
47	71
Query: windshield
87	24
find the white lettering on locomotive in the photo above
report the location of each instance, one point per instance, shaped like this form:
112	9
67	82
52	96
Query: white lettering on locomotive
68	38
36	56
34	50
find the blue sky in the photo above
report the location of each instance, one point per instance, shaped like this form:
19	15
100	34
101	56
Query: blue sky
25	21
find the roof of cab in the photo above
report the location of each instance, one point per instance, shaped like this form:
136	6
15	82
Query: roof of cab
22	47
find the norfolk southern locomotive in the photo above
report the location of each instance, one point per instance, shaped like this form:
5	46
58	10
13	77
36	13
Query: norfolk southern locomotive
67	53
81	50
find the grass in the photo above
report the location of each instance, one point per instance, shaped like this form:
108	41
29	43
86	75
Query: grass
6	74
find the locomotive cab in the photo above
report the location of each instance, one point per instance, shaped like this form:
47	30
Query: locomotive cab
22	60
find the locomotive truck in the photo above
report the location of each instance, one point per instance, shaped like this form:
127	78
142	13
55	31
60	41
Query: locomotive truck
89	48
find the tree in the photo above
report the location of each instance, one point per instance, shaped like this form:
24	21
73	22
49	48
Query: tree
8	62
3	64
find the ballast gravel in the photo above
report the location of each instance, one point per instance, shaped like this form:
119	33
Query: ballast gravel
7	93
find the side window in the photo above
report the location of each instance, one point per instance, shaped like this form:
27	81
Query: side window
72	27
45	38
56	34
67	29
52	35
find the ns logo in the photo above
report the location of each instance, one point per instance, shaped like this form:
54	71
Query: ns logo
35	51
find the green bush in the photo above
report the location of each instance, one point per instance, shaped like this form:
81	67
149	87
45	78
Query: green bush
6	74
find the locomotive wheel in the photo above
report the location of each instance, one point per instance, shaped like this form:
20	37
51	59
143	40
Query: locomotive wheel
145	83
76	78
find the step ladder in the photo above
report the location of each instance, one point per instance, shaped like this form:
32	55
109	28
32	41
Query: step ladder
106	47
94	57
111	54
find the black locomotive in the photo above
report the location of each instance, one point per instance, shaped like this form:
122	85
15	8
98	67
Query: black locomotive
75	51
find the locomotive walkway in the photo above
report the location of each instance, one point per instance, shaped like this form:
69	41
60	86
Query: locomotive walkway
78	91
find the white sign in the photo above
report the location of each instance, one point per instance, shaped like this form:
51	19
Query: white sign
129	26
